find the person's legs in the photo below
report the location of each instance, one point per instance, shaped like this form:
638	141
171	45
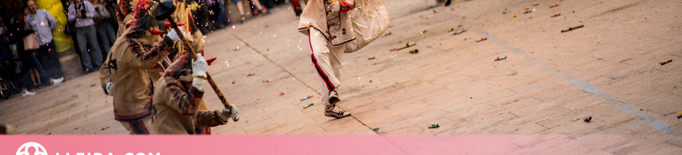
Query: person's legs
39	72
327	63
95	53
25	78
202	18
296	5
82	46
109	28
51	51
240	7
102	34
27	58
221	14
258	6
44	58
33	73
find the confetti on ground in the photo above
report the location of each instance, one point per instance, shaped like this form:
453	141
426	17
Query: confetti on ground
404	47
415	51
482	39
309	105
281	94
588	119
500	58
556	15
375	129
514	16
266	81
527	12
104	128
535	4
423	32
433	126
679	115
307	97
93	85
371	58
250	74
458	32
665	62
572	28
388	34
553	5
628	59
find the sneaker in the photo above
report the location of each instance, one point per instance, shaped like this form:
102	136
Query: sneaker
27	93
57	81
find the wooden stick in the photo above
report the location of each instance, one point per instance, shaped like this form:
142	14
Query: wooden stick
404	47
193	54
572	28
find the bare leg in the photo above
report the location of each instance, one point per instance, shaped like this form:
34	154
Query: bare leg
34	76
37	74
257	4
240	7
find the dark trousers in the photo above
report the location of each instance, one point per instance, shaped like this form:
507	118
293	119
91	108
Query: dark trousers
87	36
47	54
30	62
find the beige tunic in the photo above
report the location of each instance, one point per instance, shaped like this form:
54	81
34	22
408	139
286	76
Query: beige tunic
180	108
354	29
128	65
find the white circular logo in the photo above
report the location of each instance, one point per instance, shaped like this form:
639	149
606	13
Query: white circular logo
24	149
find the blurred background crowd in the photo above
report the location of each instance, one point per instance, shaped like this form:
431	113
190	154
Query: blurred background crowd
42	42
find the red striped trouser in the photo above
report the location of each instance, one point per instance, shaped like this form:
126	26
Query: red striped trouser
327	61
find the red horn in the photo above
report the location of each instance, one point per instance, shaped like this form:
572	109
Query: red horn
168	24
209	61
157	32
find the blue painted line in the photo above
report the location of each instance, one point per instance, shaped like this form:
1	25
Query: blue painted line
620	105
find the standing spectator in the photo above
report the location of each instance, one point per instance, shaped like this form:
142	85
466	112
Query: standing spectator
221	21
17	13
105	30
298	9
240	7
83	13
111	7
28	58
42	22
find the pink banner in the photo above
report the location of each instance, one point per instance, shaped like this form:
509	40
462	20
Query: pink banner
304	144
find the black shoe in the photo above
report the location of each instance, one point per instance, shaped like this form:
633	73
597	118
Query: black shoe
448	2
333	99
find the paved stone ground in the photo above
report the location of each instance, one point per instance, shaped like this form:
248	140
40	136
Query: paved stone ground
550	80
